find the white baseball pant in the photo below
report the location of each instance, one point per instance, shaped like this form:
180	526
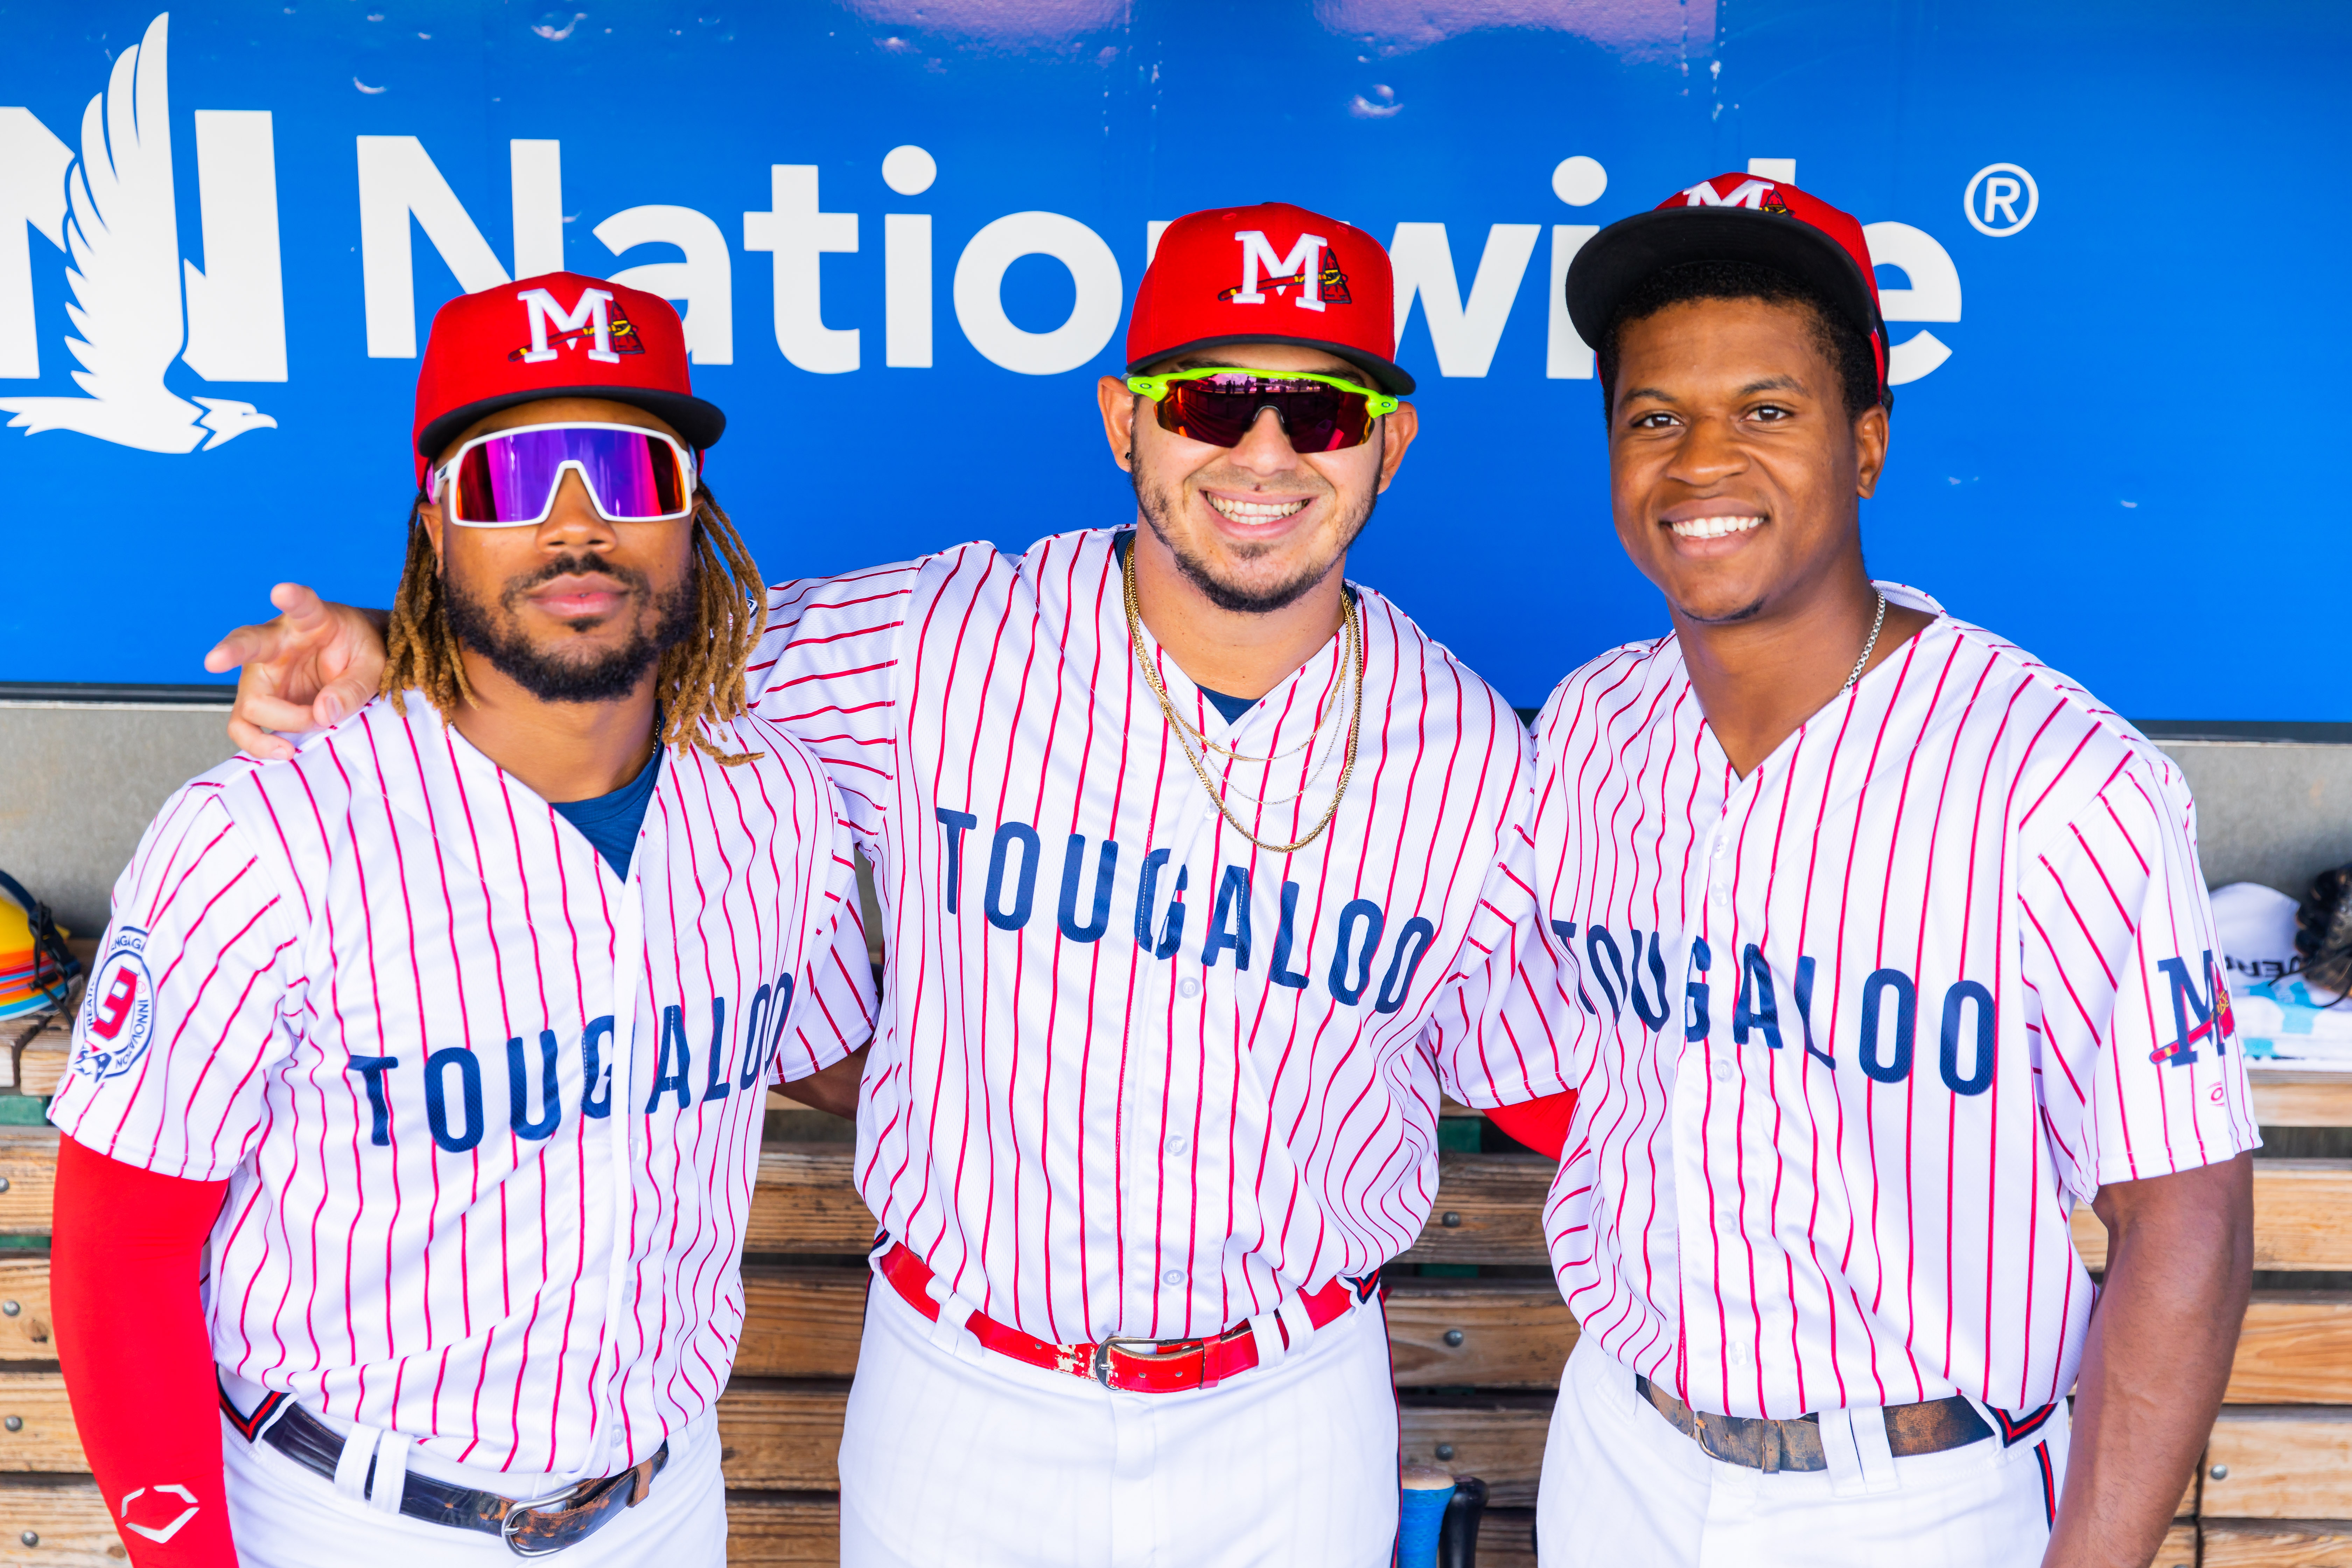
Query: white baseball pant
954	1456
1621	1488
285	1515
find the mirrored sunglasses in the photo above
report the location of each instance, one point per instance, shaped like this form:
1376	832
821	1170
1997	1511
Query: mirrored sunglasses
509	478
1317	413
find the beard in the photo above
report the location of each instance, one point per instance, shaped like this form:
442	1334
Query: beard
554	677
1158	504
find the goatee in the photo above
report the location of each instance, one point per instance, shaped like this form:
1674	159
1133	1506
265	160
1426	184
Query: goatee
553	676
1156	505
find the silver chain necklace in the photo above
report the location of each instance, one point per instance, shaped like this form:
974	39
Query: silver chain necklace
1877	625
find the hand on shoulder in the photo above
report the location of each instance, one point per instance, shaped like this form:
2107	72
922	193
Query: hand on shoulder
317	664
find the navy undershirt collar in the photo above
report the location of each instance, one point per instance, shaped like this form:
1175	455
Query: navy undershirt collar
611	822
1232	708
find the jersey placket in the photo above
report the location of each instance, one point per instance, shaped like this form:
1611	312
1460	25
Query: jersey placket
1164	1108
634	1015
1176	1108
1707	1087
1232	1000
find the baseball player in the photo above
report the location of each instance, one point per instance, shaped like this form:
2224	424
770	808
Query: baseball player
1880	946
1187	851
442	1042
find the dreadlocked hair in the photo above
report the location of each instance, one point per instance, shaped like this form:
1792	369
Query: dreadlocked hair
701	677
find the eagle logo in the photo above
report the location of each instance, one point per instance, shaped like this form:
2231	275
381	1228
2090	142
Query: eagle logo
116	219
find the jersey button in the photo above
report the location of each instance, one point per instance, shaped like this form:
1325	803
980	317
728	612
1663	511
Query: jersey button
1188	988
1173	1277
1178	1145
1723	1072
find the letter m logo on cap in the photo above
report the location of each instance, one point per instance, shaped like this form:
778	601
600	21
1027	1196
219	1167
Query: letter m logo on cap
590	313
1303	267
1754	195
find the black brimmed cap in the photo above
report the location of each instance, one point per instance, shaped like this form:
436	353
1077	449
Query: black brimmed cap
1732	217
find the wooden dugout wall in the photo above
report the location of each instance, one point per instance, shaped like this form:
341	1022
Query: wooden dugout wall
1478	1331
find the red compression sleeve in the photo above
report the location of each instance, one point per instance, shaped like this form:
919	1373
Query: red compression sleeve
1540	1124
130	1335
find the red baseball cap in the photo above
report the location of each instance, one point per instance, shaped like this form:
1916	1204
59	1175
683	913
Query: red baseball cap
1732	217
1273	273
556	335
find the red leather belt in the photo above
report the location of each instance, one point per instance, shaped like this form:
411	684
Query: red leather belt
1139	1366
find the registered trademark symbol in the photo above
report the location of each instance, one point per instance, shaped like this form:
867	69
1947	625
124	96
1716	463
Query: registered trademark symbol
2001	200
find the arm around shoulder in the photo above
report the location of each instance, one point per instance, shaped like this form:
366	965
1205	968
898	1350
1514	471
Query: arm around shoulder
317	663
820	1058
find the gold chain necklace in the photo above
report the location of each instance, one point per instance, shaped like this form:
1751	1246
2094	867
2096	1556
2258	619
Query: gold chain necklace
1351	651
1206	744
1318	763
1201	736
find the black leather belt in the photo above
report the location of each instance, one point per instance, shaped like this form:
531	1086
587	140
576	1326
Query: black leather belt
1930	1428
535	1527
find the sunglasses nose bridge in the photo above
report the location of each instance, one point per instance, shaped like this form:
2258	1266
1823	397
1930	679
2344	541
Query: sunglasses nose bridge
592	508
1277	444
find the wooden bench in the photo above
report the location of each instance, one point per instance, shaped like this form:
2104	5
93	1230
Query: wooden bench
1478	1359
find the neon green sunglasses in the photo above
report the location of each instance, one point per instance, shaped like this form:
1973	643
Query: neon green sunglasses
1219	404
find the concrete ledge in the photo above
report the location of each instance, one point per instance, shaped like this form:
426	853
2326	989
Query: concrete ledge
2275	812
79	784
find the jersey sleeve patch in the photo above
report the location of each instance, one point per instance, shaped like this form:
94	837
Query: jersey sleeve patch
118	1011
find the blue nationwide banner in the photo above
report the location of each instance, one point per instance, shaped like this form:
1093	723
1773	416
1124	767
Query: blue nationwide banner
905	235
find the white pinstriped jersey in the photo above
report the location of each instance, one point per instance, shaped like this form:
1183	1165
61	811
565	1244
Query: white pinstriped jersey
374	986
1855	1033
1134	1076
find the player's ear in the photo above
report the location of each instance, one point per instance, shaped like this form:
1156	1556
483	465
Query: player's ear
1398	428
1870	436
428	514
1118	418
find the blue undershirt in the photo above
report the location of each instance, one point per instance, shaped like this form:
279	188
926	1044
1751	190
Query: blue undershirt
1232	708
611	822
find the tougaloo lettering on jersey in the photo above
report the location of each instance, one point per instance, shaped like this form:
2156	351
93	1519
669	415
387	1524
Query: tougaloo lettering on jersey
1369	959
457	1093
1773	1006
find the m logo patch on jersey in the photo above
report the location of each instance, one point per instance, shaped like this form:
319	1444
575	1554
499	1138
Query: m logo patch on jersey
118	1010
2209	1007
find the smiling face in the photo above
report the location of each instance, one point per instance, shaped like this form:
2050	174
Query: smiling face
1735	473
1256	525
576	608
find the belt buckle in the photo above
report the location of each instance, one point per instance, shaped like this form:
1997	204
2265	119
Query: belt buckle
533	1505
1102	1355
